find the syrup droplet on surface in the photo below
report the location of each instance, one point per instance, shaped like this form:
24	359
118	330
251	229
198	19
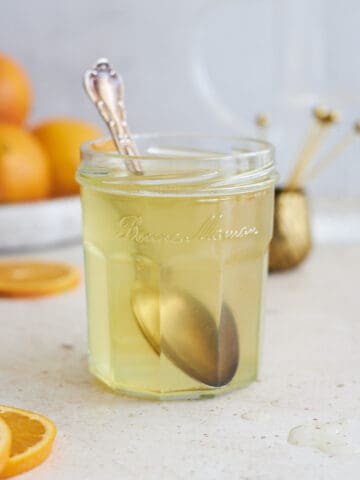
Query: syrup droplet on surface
330	438
255	416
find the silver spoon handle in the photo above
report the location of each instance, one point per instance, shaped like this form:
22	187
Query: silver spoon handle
105	89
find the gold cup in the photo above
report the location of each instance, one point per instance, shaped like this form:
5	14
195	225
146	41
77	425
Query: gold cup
291	241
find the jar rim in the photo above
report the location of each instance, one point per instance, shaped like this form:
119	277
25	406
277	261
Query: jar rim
266	148
203	165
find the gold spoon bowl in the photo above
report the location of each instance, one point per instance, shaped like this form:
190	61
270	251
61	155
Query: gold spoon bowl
178	325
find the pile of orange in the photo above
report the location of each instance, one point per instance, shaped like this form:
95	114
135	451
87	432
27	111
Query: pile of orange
39	161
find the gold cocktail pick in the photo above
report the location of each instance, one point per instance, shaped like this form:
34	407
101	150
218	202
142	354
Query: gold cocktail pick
335	151
323	119
262	122
291	241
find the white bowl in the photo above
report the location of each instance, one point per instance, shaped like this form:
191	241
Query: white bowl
34	225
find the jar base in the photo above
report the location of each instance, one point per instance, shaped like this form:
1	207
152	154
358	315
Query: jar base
196	394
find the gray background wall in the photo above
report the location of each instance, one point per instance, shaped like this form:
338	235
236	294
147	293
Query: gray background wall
200	65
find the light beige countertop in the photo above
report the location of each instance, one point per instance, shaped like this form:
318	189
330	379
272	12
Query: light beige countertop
310	377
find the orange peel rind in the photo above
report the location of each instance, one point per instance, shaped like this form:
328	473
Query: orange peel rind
5	444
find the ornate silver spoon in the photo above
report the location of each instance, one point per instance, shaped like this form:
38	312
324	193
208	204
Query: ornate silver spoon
105	89
174	322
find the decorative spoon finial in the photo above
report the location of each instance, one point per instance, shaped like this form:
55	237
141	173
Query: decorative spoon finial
105	89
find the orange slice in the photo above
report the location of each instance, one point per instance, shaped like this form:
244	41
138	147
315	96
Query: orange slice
23	278
32	438
5	444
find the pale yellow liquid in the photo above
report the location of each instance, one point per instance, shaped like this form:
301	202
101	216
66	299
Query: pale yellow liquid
214	248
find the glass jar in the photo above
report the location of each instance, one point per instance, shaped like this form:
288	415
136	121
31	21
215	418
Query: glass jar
176	261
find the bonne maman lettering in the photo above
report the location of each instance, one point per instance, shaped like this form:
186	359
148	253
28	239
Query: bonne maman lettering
131	228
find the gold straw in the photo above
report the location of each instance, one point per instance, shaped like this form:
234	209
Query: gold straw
335	151
313	140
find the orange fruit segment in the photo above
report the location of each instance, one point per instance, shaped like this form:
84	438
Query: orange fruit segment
24	166
5	444
61	139
32	438
24	278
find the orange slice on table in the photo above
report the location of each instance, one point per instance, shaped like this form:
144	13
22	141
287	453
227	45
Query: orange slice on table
5	444
32	438
24	278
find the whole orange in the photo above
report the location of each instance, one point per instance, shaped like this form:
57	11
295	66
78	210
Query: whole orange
15	92
61	139
24	167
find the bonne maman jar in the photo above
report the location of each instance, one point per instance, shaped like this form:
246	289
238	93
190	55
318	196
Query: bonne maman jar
176	261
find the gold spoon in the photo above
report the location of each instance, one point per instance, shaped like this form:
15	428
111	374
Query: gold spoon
173	321
178	325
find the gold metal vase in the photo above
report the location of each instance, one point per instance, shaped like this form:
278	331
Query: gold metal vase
291	241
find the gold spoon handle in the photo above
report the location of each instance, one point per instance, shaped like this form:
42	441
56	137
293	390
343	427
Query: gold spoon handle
105	89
